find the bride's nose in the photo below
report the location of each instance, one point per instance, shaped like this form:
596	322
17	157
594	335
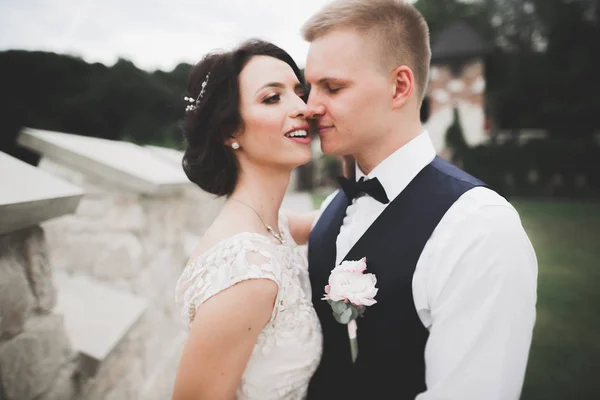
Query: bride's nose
299	111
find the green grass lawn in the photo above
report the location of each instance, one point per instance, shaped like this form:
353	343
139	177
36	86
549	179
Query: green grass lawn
317	199
564	363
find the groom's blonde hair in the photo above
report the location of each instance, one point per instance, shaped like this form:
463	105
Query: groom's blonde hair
396	27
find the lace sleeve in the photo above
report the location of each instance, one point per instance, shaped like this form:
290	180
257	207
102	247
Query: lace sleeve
230	262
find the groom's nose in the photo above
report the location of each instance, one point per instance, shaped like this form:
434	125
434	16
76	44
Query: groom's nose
314	106
315	111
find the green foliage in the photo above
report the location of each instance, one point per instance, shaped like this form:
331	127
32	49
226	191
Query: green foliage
540	168
317	199
543	69
332	168
455	137
440	14
63	93
344	312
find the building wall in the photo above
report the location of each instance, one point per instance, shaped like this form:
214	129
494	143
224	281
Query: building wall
463	91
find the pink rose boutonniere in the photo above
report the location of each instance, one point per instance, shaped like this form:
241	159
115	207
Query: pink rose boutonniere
349	293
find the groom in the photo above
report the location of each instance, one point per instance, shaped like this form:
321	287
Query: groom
455	270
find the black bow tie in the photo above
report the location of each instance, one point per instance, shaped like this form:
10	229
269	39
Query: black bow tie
372	187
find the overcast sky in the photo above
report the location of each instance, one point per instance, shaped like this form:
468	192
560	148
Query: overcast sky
154	34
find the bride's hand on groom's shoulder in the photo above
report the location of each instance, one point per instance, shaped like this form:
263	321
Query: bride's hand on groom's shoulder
300	224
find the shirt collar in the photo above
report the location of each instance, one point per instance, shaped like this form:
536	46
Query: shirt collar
401	167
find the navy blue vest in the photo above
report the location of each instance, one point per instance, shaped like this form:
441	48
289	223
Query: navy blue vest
391	337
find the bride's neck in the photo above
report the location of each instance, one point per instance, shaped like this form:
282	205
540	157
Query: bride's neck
263	190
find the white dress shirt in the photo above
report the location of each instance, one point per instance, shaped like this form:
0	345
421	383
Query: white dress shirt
474	287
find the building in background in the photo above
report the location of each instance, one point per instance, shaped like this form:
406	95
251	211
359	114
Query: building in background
456	87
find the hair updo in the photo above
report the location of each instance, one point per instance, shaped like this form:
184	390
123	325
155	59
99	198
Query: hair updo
207	161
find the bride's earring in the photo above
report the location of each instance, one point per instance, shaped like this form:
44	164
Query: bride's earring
235	145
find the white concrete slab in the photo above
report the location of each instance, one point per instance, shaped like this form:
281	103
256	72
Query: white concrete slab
124	164
30	196
171	156
96	317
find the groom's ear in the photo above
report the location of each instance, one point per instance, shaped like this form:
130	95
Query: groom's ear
403	81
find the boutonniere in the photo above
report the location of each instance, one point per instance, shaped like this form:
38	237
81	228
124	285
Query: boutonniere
349	293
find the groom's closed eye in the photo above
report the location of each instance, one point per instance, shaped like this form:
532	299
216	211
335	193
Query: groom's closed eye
332	86
332	89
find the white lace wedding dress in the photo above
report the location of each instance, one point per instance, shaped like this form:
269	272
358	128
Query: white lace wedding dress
288	349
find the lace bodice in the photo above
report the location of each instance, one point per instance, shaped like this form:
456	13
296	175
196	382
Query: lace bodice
288	349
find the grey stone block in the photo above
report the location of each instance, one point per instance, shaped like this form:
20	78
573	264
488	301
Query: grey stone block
31	361
97	317
30	196
16	299
66	385
122	164
122	257
39	270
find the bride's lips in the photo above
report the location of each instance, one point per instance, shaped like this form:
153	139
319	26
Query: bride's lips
303	133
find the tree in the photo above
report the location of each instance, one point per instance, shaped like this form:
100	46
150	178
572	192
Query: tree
456	139
440	14
64	93
542	71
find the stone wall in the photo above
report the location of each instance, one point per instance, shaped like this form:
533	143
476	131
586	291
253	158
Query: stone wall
36	359
200	210
134	243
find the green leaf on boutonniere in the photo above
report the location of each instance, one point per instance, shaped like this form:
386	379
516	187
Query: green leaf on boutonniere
339	307
337	318
346	316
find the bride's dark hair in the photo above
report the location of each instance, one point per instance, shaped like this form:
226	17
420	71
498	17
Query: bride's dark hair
207	161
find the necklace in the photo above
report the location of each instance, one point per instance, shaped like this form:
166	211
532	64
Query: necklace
271	230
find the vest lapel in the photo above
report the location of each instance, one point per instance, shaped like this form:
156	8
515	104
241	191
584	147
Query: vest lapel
322	243
383	231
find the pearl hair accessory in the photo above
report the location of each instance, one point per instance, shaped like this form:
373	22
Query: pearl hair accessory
194	103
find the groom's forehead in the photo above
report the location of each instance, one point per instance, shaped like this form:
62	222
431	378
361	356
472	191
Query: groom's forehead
330	66
339	50
318	72
341	41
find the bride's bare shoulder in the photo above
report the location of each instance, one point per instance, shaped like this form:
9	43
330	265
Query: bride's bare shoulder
225	226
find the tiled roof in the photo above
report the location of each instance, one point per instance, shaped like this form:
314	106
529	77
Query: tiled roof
458	40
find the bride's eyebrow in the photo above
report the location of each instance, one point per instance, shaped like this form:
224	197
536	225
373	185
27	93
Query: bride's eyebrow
279	85
271	84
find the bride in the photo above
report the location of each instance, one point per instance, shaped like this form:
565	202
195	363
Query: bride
245	294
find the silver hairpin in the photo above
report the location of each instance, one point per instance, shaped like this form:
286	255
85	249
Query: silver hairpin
194	103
